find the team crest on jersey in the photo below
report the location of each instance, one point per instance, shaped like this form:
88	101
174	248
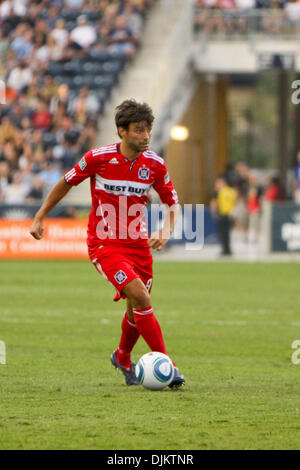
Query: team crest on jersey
82	164
144	173
120	277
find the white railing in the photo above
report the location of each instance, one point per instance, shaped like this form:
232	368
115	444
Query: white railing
234	23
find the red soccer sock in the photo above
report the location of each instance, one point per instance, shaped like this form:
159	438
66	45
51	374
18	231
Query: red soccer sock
149	329
129	337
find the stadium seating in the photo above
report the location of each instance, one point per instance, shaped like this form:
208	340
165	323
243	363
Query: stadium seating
56	70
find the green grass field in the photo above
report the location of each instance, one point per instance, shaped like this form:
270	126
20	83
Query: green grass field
229	326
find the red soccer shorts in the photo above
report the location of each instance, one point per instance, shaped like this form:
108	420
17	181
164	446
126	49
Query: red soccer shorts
121	264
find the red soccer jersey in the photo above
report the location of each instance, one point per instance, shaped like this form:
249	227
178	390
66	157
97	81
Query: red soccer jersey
119	190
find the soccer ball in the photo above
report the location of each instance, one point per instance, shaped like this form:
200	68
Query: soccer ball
154	371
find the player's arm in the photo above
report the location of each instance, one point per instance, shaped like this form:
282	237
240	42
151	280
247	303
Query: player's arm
159	239
57	193
82	170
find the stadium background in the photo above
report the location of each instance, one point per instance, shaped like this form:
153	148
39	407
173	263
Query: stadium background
219	76
66	65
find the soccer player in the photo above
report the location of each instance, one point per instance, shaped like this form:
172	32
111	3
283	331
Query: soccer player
121	176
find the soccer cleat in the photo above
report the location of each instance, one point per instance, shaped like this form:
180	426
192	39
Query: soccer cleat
178	380
129	375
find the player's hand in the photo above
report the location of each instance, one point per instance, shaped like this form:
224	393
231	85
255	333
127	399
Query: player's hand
158	240
37	229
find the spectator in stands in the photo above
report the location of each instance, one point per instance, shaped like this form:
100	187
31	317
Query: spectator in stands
56	50
7	130
61	96
121	39
37	190
37	162
18	6
85	106
26	159
141	7
88	137
15	193
5	178
26	128
84	35
68	130
16	114
52	17
49	89
74	3
20	77
68	156
38	144
23	44
10	22
42	117
58	116
60	34
265	4
10	155
32	96
134	19
243	8
205	19
40	55
4	43
235	15
50	175
292	11
45	126
244	5
109	15
273	21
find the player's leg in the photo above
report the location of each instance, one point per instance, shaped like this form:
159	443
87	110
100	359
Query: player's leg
129	337
116	270
147	323
129	311
144	318
120	358
121	272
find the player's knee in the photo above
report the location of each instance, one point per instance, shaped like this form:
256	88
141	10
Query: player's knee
140	298
137	294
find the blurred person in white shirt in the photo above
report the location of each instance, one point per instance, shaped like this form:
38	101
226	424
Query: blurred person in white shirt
19	77
19	6
16	192
74	3
60	34
292	12
245	4
5	178
84	35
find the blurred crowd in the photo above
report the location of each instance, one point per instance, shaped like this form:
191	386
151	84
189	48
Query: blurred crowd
46	123
231	16
239	196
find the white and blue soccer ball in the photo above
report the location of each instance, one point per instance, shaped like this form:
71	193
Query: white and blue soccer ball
154	371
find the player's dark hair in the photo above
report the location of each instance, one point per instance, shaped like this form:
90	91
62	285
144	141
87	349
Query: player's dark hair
131	111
